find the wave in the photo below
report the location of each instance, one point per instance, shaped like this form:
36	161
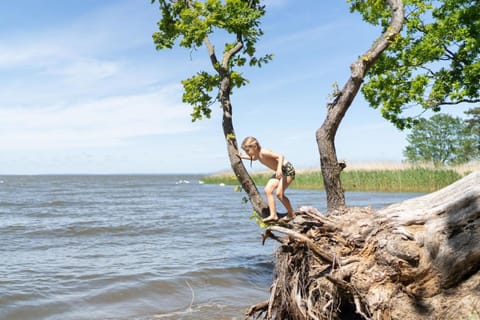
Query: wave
7	204
207	311
88	231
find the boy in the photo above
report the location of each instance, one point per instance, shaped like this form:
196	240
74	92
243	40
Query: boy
280	180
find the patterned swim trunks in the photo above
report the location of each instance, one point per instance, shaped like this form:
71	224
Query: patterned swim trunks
287	171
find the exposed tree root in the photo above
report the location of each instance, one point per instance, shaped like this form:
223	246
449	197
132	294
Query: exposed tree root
419	259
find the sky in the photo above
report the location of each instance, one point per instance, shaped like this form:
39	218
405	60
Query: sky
84	91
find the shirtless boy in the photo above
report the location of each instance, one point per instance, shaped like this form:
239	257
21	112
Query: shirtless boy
280	180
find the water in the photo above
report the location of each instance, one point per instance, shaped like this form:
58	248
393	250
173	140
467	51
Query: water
135	247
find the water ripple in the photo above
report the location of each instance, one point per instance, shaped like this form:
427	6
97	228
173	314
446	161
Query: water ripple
132	247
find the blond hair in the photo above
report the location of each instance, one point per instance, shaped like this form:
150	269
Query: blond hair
250	142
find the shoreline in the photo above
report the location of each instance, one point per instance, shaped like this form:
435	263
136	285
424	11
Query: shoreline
378	177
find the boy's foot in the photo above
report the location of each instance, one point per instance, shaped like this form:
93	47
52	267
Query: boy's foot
270	219
287	219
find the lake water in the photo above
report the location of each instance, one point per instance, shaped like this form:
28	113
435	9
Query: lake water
135	247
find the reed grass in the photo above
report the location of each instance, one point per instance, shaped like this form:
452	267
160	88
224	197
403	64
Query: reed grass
405	180
380	178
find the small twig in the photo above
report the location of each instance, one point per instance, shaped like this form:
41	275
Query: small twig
328	304
358	306
407	235
344	285
261	306
269	234
297	296
193	294
347	261
315	214
310	310
272	298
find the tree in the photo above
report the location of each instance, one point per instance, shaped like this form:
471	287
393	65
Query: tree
391	13
442	140
191	22
435	62
473	126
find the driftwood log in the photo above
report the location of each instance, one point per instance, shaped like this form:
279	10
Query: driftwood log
417	259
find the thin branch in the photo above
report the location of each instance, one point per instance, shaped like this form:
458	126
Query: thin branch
358	306
193	295
212	55
460	101
271	300
261	306
302	238
230	53
296	295
269	234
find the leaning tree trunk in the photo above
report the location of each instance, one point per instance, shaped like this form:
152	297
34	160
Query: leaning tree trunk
417	259
236	163
336	110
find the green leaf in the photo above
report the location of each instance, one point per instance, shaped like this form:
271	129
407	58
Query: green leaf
188	23
435	62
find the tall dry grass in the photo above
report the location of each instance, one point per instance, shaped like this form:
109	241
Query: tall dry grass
374	176
373	166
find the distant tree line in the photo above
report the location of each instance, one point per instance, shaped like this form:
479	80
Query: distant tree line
444	139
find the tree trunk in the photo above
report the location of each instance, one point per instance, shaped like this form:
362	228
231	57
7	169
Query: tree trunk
417	259
336	110
236	163
232	149
331	169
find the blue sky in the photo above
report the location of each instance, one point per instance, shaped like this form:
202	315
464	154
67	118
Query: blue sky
83	90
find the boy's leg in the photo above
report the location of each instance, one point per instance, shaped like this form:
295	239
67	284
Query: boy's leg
269	188
283	185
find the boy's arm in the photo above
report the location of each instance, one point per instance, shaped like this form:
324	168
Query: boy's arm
279	173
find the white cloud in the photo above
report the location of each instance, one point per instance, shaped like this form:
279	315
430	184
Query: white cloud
91	85
77	71
105	122
87	59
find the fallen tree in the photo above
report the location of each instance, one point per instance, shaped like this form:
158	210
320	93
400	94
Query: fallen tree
417	259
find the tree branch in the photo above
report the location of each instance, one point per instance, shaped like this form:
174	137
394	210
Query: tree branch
230	53
212	55
302	238
210	48
360	67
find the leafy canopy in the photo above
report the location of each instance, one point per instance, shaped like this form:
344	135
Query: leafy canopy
435	61
190	23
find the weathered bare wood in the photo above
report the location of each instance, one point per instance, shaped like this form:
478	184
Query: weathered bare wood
414	260
446	224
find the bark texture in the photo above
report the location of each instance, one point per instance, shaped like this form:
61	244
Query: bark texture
238	167
417	259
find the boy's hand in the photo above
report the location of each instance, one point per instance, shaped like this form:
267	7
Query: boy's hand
279	174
